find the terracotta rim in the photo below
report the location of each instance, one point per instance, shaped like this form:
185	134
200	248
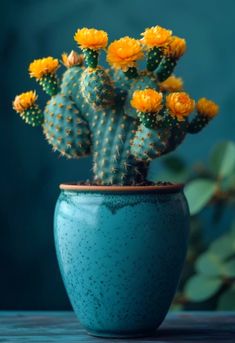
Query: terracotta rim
167	188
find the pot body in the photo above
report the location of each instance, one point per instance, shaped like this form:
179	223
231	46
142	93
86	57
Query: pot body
120	256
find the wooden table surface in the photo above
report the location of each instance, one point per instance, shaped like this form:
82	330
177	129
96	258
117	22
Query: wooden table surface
63	327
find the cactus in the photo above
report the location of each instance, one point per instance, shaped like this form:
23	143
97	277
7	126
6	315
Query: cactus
123	117
65	129
44	71
25	105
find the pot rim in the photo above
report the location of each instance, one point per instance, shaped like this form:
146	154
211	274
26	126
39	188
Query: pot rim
90	188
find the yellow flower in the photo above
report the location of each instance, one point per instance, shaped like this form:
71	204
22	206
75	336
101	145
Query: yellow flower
24	101
180	105
147	100
155	36
172	84
91	38
123	53
43	66
72	59
175	47
207	108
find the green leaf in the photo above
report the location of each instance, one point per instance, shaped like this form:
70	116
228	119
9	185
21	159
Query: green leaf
174	163
232	230
222	161
227	300
223	247
228	183
209	264
198	193
200	287
229	268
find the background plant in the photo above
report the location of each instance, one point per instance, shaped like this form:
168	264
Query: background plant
208	279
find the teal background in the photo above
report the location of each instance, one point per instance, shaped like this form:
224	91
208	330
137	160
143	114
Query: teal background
30	172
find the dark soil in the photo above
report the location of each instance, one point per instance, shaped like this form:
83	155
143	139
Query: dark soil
143	183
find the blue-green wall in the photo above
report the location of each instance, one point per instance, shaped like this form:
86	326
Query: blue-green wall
30	172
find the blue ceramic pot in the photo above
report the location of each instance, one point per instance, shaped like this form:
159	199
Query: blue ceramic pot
121	251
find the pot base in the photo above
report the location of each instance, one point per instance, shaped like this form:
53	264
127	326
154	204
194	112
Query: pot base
137	334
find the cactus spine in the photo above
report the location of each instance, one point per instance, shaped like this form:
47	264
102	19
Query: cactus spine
123	117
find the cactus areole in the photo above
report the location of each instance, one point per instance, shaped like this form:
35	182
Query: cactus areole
123	116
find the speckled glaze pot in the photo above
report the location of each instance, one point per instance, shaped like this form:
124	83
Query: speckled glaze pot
120	252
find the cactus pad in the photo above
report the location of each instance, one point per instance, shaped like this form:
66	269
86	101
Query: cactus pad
33	116
96	87
64	129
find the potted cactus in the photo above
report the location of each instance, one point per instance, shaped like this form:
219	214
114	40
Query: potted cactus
120	239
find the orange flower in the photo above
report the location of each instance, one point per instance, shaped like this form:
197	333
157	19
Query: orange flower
147	100
123	53
43	66
207	108
172	84
24	101
176	47
155	36
91	38
180	105
72	59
